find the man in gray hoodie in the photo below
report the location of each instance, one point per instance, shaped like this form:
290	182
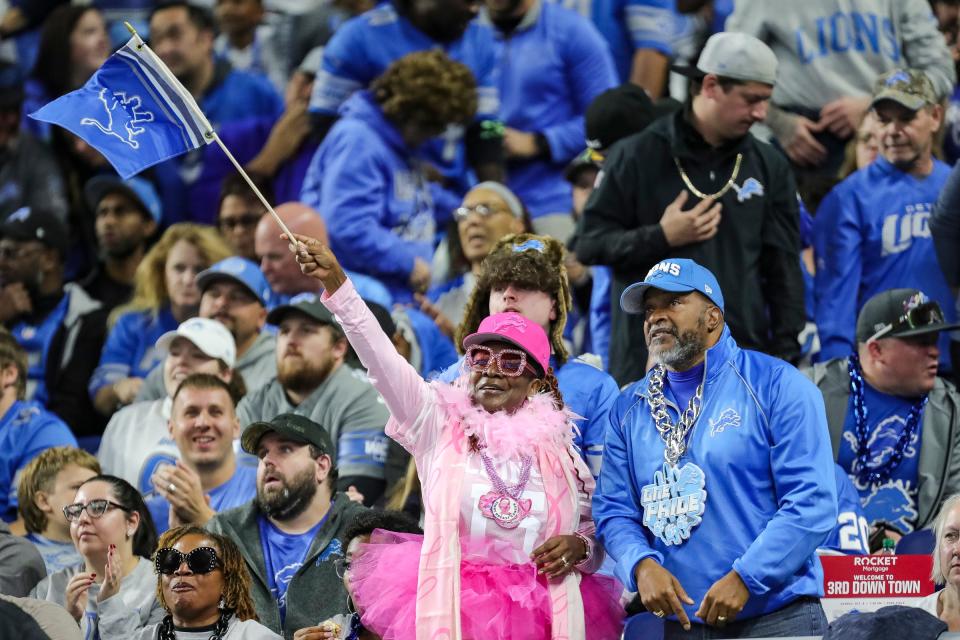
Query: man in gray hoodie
289	535
830	55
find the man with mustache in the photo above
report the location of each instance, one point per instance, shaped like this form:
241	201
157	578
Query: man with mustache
717	483
313	381
698	185
892	420
234	293
872	231
289	535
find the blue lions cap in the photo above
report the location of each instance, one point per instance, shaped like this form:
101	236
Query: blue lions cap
241	271
679	275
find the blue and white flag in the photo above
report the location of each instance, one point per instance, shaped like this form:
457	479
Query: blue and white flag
133	111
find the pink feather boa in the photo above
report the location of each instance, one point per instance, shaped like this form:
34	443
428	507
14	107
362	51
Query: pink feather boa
508	435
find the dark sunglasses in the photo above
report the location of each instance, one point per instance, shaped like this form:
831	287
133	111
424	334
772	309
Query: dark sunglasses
922	315
200	560
95	509
510	362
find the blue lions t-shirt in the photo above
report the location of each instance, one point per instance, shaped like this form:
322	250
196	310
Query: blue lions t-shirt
894	501
283	555
240	489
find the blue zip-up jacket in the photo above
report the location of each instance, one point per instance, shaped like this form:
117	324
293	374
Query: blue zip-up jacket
551	67
871	234
588	392
364	46
762	442
367	185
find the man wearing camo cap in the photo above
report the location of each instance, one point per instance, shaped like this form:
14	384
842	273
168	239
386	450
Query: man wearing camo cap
872	230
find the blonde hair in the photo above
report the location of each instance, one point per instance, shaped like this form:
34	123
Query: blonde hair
40	474
939	524
150	291
236	578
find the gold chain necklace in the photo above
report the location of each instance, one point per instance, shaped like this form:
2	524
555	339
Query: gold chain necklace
701	194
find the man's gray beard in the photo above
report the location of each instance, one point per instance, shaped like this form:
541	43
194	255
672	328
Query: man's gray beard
686	349
290	501
688	346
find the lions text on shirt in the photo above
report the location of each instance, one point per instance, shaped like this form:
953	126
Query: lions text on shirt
283	555
239	489
894	501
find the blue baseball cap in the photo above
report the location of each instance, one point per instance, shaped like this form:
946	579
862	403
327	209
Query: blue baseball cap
678	275
241	271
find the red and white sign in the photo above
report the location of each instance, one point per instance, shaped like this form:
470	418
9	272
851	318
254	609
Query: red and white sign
867	583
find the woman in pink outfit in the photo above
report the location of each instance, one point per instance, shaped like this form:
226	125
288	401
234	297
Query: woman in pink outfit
508	548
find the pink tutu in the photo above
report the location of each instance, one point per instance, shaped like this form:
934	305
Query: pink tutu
499	599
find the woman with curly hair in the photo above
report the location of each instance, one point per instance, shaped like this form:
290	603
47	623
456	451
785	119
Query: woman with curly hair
203	585
508	547
366	178
165	294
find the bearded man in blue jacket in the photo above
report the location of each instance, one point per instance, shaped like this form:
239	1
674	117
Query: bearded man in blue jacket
717	483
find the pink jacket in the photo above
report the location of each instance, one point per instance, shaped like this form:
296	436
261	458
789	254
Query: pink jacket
424	424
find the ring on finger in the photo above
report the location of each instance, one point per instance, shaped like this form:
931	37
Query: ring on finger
721	618
172	488
566	563
659	613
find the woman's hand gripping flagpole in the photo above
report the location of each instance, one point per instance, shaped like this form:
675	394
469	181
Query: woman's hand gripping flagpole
317	260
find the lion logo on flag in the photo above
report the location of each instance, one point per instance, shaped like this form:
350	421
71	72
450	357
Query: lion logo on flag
123	114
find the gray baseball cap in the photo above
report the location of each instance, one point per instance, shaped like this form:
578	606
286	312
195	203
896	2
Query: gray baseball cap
735	55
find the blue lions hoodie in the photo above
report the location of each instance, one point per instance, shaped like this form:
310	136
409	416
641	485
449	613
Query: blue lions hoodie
367	185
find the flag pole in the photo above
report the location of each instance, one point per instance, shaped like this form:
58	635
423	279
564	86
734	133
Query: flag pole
210	134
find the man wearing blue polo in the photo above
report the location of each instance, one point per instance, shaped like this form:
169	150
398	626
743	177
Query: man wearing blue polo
717	482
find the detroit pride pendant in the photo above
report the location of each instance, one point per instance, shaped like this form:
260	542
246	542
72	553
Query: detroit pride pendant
503	509
673	503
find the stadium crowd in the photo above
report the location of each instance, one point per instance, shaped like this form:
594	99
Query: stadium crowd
568	319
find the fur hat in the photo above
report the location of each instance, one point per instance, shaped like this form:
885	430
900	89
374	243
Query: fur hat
532	262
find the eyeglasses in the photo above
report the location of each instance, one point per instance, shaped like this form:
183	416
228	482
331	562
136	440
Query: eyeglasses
246	220
484	211
922	315
200	560
510	362
342	566
95	509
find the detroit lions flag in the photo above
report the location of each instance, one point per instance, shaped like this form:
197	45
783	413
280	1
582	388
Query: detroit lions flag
133	111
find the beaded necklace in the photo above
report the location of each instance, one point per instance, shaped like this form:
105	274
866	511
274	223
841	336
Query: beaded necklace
879	474
166	632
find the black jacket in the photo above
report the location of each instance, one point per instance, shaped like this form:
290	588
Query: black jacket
73	354
755	254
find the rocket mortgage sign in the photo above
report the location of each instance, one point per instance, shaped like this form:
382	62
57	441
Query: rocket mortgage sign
866	583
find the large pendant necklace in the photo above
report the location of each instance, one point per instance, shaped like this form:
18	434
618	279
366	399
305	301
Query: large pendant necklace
504	505
701	194
876	475
674	502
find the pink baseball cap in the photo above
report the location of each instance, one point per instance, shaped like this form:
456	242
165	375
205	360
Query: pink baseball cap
517	330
